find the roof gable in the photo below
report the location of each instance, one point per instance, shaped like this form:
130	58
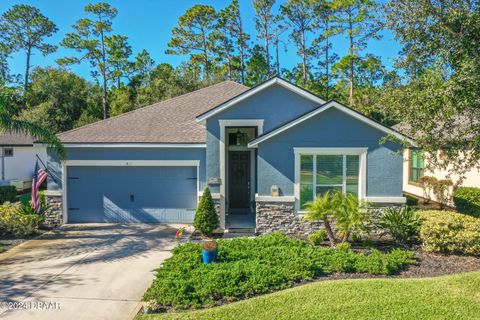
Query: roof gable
276	80
322	108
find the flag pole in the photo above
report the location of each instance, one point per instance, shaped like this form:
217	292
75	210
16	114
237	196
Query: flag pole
46	169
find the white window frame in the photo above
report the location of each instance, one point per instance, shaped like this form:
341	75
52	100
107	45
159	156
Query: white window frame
362	175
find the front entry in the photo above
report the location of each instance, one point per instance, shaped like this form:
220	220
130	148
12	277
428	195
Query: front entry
239	182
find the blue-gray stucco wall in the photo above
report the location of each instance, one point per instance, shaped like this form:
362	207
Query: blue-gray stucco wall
276	105
83	153
331	128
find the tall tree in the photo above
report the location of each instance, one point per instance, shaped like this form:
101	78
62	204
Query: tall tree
56	99
193	35
90	38
11	123
119	52
257	66
231	20
324	15
264	19
439	105
356	18
300	16
24	27
278	29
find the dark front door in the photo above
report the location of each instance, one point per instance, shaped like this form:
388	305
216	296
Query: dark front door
239	182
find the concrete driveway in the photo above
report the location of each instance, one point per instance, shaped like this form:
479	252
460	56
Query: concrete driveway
97	271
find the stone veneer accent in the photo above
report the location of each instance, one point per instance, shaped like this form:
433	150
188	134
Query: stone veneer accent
53	214
280	216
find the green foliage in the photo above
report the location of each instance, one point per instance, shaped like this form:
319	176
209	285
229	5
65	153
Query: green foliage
7	194
400	223
348	214
316	238
411	201
24	27
194	35
247	267
467	200
206	218
15	221
450	232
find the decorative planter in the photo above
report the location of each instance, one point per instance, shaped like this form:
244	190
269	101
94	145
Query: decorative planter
209	250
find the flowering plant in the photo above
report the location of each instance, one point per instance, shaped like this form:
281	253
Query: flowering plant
180	232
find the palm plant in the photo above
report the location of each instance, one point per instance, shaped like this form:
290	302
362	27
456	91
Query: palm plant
350	215
323	208
9	122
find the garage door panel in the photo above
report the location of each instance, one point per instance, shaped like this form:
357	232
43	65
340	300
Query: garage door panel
131	194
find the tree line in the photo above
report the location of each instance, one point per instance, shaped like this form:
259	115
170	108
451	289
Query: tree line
434	81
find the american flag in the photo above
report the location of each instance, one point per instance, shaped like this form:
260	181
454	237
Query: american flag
38	178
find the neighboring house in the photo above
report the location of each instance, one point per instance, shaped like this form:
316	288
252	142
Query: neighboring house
414	167
264	152
18	156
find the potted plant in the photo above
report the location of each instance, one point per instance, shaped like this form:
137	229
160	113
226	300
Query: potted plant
206	221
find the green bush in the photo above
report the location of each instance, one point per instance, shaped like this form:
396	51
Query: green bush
411	201
467	200
206	218
316	238
450	232
247	267
8	194
400	223
15	222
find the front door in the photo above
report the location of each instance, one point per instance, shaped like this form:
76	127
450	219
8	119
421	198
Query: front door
239	182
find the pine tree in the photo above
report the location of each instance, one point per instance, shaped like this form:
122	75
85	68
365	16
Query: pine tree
206	218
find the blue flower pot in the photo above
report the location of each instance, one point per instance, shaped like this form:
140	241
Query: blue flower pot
209	256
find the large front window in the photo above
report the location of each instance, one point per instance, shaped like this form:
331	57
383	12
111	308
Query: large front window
322	173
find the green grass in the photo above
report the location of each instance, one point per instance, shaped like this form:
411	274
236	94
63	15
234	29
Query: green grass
2	248
448	297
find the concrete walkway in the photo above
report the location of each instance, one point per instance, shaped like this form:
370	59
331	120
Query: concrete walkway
97	271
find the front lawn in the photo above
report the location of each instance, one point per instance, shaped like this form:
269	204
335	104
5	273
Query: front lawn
248	267
448	297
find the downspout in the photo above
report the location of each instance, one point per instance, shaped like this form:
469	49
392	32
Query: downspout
3	164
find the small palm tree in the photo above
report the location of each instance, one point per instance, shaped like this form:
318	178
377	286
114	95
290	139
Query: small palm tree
9	122
323	209
350	215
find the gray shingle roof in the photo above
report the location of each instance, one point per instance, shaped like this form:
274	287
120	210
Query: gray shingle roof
15	139
169	121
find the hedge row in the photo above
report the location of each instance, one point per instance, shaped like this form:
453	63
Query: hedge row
7	193
467	200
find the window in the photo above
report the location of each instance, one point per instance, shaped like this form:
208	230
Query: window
8	152
415	165
321	173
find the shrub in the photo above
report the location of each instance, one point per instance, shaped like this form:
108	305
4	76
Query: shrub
400	223
427	186
441	189
450	232
206	218
317	237
467	200
411	201
343	210
247	267
14	222
8	194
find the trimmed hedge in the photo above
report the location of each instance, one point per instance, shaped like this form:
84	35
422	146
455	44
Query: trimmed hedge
450	232
467	200
247	267
8	194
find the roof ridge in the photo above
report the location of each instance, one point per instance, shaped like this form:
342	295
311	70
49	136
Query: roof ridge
149	106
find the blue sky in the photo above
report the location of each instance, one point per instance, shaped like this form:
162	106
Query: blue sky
148	24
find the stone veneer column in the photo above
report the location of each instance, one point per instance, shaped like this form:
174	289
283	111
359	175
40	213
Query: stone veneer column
280	216
54	212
